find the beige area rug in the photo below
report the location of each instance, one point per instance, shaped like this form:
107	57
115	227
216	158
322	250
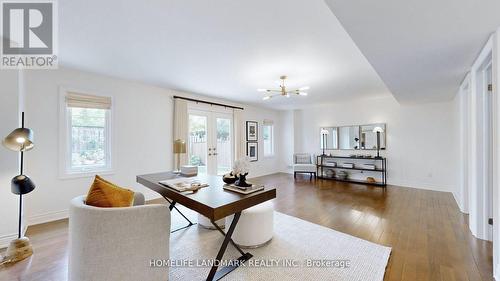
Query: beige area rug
295	246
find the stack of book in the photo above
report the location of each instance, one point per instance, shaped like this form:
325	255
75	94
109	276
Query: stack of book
330	163
368	166
184	184
189	171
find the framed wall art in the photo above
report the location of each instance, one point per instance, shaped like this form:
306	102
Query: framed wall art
253	151
252	131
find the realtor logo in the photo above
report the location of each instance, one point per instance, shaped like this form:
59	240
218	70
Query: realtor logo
28	35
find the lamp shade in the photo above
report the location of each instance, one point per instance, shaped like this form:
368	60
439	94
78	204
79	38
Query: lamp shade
21	185
179	146
325	132
21	139
378	130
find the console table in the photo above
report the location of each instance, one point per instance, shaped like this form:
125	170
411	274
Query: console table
380	168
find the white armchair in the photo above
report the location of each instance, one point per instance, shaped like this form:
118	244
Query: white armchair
304	163
117	243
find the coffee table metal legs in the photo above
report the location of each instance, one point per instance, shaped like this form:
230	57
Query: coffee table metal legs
171	207
230	239
218	274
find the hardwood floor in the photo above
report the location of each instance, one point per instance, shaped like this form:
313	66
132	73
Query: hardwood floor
429	237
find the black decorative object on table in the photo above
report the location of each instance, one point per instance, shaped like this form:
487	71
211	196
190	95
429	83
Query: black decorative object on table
242	181
229	178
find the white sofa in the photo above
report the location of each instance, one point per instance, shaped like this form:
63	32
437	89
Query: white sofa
117	243
304	163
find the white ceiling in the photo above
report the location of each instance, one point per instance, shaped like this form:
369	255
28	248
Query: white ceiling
422	49
220	48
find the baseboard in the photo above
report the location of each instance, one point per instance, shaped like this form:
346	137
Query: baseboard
47	217
5	240
496	274
460	207
424	186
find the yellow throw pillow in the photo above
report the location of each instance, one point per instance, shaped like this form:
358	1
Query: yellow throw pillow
105	194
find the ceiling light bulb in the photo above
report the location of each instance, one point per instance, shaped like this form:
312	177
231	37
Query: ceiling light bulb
304	88
303	93
261	90
20	140
266	98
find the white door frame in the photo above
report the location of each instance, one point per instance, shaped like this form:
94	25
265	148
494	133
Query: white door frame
488	147
477	203
496	152
212	113
478	194
205	114
223	115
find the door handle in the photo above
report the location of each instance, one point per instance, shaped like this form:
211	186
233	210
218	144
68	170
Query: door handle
210	154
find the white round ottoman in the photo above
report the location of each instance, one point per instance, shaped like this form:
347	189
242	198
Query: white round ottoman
206	223
255	226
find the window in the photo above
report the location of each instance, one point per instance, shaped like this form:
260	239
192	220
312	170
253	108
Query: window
87	133
268	137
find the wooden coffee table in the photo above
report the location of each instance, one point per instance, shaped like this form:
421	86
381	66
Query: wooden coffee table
214	203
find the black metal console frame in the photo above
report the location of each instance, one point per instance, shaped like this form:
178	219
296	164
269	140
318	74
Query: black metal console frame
382	170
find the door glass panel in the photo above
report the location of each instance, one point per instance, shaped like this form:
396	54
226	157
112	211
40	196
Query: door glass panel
223	145
198	142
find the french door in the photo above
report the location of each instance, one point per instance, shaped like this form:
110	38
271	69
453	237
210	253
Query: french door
210	144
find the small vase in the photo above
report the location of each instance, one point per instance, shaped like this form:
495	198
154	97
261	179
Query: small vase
242	181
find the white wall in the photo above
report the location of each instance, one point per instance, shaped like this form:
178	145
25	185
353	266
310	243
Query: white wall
9	165
462	119
266	165
142	136
421	150
456	138
288	140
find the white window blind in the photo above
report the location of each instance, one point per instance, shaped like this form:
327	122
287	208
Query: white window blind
87	101
268	122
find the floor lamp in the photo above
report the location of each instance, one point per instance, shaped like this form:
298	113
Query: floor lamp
20	140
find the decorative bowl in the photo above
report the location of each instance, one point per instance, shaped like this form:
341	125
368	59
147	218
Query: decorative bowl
229	178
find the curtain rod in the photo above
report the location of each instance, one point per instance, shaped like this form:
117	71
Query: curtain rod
208	102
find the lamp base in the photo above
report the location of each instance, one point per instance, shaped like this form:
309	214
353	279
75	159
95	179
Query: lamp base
18	250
